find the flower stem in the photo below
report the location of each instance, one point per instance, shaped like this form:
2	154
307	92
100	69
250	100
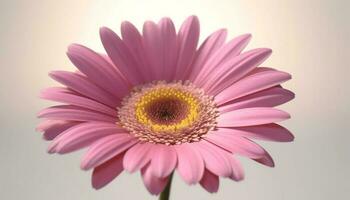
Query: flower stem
166	192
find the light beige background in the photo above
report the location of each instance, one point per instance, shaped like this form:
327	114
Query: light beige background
310	40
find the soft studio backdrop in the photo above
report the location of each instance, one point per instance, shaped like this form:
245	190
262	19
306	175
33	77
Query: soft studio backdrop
310	40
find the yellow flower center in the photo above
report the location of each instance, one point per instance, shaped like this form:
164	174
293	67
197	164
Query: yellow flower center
167	109
167	113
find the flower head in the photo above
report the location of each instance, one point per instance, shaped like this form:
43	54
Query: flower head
157	103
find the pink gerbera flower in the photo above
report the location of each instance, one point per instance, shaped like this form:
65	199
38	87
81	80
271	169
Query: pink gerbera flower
156	103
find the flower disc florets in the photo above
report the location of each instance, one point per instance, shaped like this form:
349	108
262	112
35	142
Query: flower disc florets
168	113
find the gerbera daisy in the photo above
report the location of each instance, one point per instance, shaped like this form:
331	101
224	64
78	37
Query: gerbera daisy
157	103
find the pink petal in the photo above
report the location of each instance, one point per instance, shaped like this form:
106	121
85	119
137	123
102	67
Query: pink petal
187	40
137	156
266	160
53	128
154	185
98	70
269	132
133	40
47	124
215	158
75	99
228	51
74	113
160	47
153	49
108	59
83	86
206	50
251	84
83	135
234	69
105	173
121	55
190	163
267	98
106	148
164	160
260	70
169	48
235	144
210	182
251	117
237	170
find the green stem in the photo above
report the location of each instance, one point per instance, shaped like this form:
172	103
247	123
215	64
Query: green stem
166	192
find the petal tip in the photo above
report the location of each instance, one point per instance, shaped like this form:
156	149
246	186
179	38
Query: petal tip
53	73
241	178
266	51
104	28
104	31
191	21
84	165
247	36
165	20
73	47
96	184
124	23
193	17
52	148
290	138
129	169
56	74
96	187
149	25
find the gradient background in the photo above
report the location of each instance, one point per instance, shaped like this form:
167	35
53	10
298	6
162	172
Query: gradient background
310	40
